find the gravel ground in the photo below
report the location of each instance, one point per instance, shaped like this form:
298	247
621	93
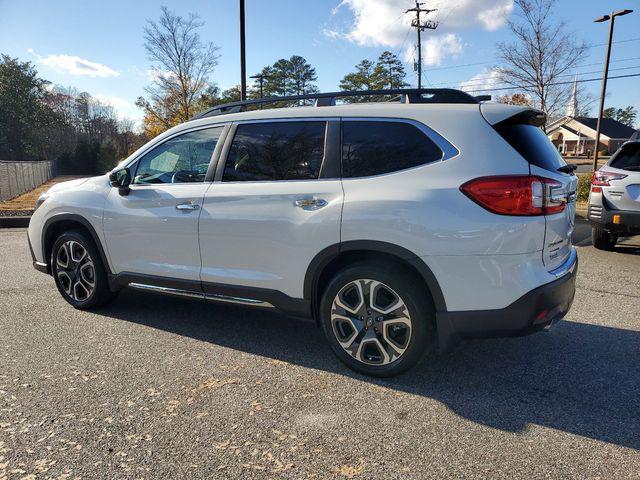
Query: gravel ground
155	387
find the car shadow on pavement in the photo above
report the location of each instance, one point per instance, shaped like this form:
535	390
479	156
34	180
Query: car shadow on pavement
577	378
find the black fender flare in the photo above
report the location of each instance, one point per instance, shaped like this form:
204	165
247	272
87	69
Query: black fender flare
51	221
322	259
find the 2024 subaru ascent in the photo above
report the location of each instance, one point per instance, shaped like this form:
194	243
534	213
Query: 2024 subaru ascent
397	226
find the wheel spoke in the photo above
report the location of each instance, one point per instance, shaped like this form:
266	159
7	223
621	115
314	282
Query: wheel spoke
87	273
367	351
62	259
354	291
77	251
350	337
371	322
80	292
396	332
392	301
75	271
65	281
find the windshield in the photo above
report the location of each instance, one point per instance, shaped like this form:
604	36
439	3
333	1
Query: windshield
628	158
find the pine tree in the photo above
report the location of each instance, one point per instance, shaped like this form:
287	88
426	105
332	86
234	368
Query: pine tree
389	72
361	79
293	76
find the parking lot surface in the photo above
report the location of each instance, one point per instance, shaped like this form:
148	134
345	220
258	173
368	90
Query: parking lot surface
155	387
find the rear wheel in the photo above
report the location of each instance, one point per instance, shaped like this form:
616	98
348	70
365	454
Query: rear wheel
603	239
78	271
376	319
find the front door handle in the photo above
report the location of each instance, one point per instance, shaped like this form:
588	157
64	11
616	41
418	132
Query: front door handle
310	203
187	206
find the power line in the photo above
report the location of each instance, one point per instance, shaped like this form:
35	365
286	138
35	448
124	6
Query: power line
448	67
480	81
557	83
617	41
403	42
449	13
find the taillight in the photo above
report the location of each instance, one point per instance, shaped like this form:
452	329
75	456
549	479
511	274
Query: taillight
517	194
601	178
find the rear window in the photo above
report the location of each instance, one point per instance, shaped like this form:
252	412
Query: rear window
377	147
532	143
628	158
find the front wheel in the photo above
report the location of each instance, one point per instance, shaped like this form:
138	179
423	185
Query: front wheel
603	239
376	319
78	271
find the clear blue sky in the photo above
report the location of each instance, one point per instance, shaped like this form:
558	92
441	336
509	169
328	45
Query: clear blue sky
61	36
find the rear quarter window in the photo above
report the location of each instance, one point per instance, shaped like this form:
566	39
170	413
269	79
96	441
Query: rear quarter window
628	158
532	143
378	147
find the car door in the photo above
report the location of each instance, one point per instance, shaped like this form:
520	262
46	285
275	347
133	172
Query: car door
153	230
275	204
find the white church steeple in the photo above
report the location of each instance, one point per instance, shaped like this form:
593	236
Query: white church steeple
572	107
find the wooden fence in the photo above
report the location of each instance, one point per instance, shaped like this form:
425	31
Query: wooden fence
19	177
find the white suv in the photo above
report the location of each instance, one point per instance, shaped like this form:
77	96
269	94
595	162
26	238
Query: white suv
396	226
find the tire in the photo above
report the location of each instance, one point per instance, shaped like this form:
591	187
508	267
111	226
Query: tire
75	263
385	342
603	239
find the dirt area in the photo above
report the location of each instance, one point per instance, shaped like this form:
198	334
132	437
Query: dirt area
586	160
23	204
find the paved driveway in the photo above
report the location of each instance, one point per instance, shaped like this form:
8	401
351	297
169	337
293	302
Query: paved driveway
155	387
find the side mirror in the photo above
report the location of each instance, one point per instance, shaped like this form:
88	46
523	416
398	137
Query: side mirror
121	179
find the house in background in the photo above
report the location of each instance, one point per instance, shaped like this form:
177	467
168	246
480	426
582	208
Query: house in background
575	135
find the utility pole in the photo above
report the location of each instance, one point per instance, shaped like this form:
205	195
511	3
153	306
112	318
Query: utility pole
243	63
415	23
611	17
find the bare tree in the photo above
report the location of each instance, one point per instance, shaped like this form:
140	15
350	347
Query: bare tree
182	64
540	56
516	99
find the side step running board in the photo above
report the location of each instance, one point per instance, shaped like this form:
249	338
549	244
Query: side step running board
202	296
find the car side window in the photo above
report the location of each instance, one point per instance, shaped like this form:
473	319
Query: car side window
377	147
181	159
268	151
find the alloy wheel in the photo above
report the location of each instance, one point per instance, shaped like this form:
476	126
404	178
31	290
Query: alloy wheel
75	271
371	322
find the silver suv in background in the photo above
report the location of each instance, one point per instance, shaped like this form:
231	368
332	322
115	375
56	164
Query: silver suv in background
614	200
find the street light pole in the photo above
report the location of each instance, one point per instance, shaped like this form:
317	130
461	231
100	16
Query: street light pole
260	79
611	19
243	65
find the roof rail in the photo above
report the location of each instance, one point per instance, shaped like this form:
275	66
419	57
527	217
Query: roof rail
407	95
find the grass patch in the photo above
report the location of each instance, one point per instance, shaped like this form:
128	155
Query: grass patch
27	200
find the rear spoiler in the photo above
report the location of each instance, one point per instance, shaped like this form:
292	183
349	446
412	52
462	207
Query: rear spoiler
495	113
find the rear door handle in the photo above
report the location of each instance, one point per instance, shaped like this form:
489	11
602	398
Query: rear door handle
310	203
187	206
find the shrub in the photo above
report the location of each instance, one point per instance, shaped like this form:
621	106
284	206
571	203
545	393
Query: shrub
584	186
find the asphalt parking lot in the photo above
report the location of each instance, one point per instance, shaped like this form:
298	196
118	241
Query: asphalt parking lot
155	387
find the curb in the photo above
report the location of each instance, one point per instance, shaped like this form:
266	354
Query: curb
14	222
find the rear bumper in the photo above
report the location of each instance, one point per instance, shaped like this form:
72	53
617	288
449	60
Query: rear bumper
602	215
532	312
